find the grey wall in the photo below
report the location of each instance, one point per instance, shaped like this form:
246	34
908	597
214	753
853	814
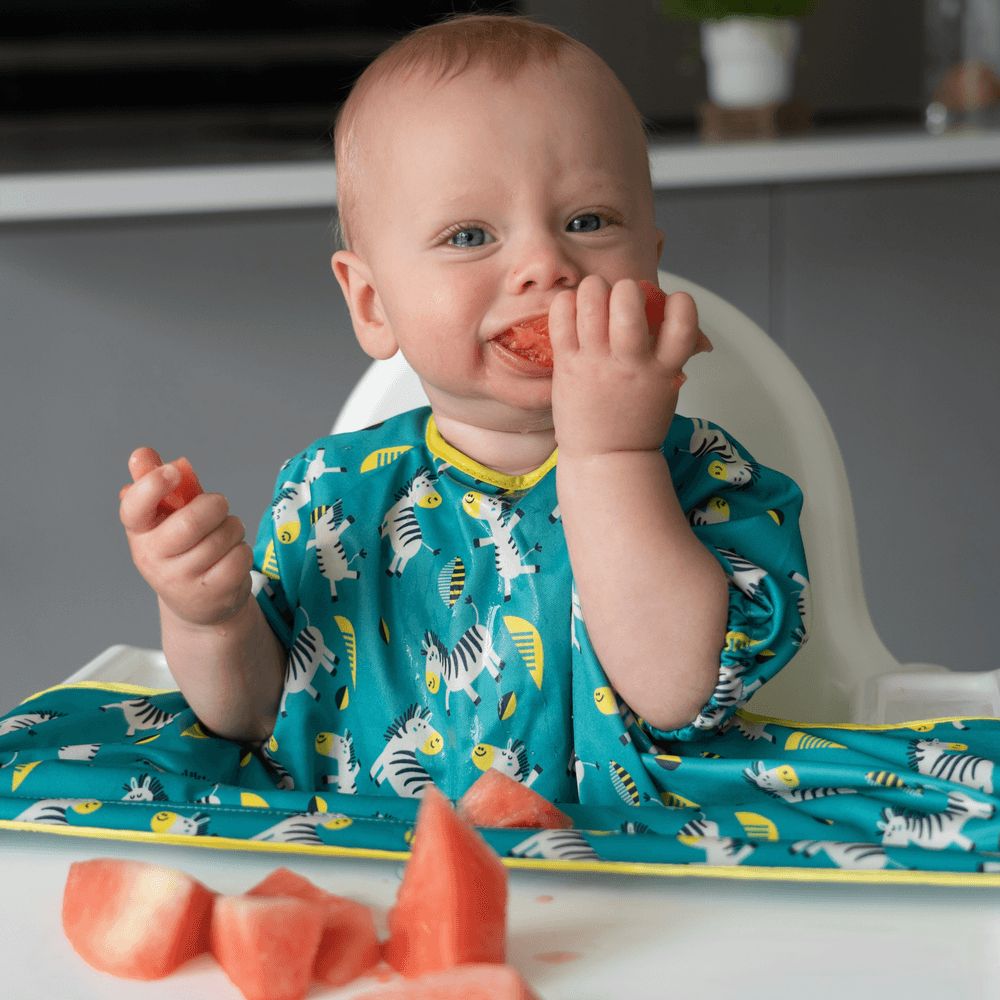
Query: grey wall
885	294
221	338
225	339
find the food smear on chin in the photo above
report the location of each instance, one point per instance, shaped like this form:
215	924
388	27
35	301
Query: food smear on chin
530	337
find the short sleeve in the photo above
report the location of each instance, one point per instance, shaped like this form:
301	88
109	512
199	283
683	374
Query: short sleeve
747	516
280	547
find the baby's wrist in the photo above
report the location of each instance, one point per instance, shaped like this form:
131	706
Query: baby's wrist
231	619
590	457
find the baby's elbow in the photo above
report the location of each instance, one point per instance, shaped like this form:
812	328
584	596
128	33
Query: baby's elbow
684	707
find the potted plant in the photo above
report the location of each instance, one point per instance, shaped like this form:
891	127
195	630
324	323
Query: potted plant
749	47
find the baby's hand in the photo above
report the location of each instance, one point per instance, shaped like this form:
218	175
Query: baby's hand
195	558
615	387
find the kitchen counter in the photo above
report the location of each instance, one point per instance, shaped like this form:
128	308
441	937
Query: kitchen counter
682	163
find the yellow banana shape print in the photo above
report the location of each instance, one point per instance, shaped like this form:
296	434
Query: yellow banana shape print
350	643
529	645
756	826
270	566
383	456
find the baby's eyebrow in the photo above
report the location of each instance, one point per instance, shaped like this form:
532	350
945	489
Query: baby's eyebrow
604	185
462	196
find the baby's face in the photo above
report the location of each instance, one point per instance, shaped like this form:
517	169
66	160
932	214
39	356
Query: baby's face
484	201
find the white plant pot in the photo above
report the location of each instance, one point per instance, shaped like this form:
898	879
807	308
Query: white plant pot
750	60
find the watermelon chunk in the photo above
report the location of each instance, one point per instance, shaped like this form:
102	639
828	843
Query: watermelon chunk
186	490
480	981
267	945
349	945
497	800
135	919
451	907
530	338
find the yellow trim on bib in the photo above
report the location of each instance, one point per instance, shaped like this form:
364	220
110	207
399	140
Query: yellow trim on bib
115	687
743	873
863	726
450	454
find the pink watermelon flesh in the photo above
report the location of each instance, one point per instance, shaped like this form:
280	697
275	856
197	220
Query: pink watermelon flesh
497	800
451	907
480	981
349	945
186	490
530	338
135	919
267	945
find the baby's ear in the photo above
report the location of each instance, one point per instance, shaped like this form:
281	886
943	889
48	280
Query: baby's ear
370	325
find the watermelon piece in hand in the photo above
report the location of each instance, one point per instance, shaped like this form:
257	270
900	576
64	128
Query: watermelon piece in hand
451	907
267	945
349	945
135	919
185	491
464	982
496	799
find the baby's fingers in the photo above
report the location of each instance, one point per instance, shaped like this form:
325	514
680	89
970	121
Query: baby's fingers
680	338
139	502
562	324
197	561
143	460
629	329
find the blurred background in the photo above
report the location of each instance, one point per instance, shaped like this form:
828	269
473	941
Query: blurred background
167	210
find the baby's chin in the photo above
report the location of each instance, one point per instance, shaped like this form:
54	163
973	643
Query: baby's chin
500	406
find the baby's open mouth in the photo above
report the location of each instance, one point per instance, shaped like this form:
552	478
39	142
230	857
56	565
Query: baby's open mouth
529	339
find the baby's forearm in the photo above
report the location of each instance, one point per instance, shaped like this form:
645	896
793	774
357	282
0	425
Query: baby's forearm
230	674
654	600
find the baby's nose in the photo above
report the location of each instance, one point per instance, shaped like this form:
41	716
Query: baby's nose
544	264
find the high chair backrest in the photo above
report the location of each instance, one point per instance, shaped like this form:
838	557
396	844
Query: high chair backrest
750	387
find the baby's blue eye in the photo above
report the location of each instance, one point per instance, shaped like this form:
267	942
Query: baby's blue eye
469	236
590	217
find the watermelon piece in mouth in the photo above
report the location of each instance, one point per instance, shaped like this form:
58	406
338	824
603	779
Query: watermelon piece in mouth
529	339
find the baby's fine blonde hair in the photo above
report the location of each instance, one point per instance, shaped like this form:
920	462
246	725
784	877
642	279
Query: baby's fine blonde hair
505	44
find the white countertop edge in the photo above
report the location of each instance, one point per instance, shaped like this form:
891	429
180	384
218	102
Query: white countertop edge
26	197
166	191
815	158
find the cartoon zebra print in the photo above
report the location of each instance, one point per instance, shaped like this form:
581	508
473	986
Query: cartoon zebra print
844	854
935	758
398	764
141	714
935	831
460	667
555	845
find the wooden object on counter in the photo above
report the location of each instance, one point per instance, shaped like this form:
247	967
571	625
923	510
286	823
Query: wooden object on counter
766	121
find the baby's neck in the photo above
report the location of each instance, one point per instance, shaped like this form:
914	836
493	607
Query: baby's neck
512	452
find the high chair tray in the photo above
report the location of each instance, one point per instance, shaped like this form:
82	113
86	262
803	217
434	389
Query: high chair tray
579	937
581	934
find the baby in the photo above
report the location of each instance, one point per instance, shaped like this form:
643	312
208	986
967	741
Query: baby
438	594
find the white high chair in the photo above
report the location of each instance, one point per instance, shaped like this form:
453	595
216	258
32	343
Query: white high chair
844	673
